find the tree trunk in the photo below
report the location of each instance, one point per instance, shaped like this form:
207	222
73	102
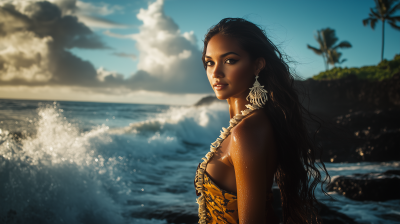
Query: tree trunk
383	38
325	61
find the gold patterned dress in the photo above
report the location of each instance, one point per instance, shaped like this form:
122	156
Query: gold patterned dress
221	205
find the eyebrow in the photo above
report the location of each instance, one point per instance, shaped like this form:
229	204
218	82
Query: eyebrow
226	54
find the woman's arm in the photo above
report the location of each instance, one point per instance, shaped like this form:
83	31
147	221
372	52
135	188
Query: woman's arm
253	154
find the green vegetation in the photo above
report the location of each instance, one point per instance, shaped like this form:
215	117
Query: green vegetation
384	70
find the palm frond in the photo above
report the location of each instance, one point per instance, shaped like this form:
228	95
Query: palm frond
394	9
343	44
393	25
371	21
394	18
366	21
375	14
316	50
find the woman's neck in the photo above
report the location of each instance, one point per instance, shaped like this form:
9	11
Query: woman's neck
236	105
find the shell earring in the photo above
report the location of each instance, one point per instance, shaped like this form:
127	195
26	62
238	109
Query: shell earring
257	95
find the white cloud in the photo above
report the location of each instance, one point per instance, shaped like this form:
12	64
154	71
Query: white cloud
102	74
166	53
168	59
160	42
190	37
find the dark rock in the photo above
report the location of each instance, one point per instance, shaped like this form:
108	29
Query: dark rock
362	136
392	172
11	217
370	186
208	100
360	117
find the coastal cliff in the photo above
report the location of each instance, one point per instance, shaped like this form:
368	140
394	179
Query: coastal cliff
360	118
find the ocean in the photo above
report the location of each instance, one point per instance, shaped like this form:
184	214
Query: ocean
87	162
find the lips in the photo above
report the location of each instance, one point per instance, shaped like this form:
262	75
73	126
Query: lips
219	85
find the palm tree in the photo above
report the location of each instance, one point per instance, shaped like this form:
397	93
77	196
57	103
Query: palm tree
326	39
384	10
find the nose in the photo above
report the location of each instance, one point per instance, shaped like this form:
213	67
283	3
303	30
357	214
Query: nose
216	71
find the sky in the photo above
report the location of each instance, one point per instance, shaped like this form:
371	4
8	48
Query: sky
149	51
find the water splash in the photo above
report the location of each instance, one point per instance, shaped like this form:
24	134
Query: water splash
190	124
55	176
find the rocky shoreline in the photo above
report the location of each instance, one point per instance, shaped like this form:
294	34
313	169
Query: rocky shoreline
368	187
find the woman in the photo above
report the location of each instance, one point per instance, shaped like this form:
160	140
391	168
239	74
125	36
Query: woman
267	136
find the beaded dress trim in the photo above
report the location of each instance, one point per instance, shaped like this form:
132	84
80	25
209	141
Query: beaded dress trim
199	179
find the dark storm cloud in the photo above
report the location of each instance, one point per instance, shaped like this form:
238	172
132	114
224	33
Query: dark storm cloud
46	35
45	19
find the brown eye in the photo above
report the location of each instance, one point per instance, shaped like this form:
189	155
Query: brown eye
208	63
231	61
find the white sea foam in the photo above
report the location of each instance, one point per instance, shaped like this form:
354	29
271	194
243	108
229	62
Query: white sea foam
55	176
191	124
362	167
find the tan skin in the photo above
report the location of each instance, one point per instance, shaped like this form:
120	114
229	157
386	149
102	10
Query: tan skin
247	159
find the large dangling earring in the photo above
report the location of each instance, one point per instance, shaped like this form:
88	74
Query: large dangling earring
257	95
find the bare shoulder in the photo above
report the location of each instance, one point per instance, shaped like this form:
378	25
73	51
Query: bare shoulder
253	136
253	154
255	128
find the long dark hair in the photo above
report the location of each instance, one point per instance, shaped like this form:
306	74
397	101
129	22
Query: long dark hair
297	175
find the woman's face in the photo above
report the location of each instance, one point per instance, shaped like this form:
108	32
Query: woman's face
230	70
